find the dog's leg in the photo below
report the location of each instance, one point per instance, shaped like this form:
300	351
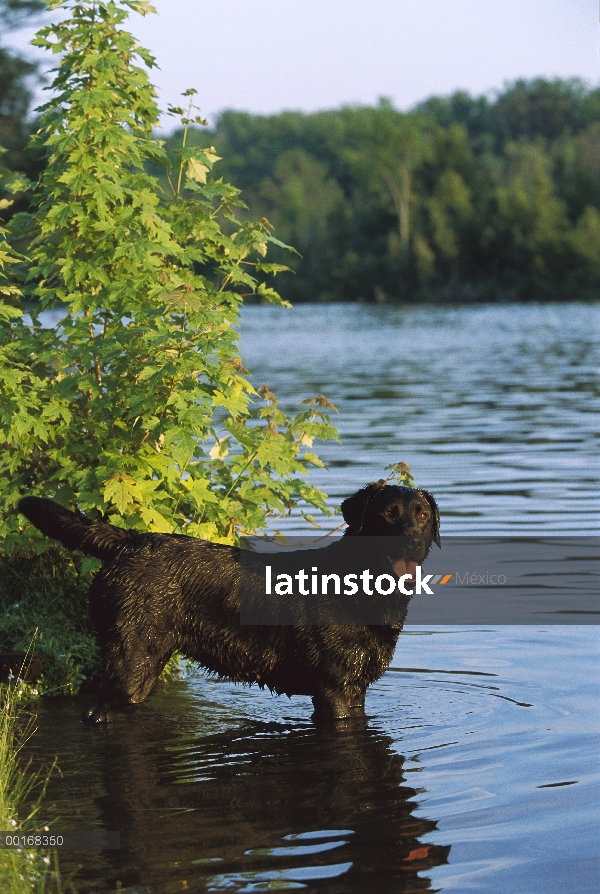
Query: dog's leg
336	704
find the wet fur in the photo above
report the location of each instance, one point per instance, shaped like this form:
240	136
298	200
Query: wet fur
160	593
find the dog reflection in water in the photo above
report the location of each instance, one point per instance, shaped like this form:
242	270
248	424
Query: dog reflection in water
160	593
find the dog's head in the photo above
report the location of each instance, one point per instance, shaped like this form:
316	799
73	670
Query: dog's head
390	511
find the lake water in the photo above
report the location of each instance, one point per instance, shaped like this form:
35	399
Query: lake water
477	766
495	409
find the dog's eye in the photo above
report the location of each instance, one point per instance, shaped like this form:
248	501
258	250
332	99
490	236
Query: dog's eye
387	513
423	515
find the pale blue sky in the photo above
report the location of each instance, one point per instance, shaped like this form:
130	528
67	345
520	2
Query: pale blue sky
267	55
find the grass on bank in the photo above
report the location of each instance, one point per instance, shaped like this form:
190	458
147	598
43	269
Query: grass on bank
22	870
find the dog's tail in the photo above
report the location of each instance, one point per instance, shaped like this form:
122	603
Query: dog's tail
73	529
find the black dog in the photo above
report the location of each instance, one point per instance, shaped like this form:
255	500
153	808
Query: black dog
160	593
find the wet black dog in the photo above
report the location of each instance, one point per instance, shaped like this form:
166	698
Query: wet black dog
160	593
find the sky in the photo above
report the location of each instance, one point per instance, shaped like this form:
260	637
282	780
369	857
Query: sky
264	56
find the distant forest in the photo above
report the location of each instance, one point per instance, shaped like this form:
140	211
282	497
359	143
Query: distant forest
459	199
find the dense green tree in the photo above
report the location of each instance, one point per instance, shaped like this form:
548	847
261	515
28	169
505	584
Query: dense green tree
577	169
16	76
303	202
474	113
15	13
528	224
15	100
530	109
539	108
388	145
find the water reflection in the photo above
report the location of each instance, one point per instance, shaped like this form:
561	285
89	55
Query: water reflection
264	806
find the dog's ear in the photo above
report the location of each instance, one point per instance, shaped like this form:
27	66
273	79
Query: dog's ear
436	516
353	509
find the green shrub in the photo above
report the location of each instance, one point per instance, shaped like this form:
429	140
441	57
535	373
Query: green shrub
136	407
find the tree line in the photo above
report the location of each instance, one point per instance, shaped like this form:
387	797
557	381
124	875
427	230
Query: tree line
461	198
